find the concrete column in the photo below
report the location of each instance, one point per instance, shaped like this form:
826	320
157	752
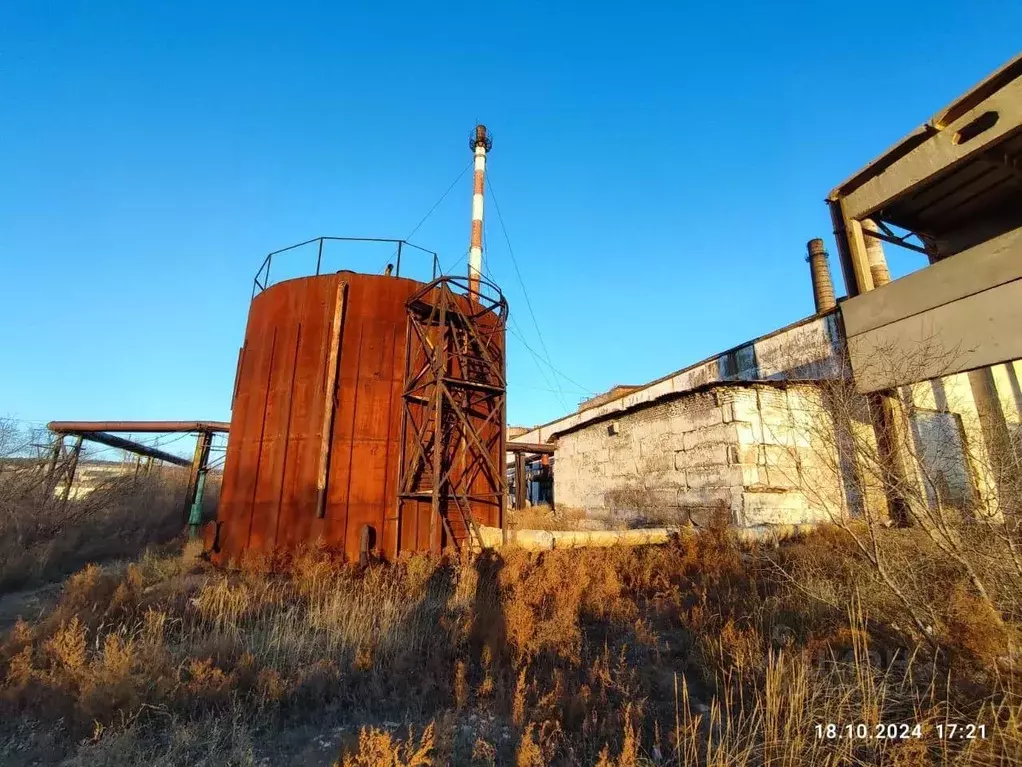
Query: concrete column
994	429
875	254
890	422
887	412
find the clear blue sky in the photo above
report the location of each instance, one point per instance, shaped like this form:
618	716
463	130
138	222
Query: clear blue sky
659	166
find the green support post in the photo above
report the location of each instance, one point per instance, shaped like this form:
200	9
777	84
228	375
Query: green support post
197	483
195	515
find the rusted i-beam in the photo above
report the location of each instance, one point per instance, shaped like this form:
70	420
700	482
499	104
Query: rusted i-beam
51	469
72	468
126	444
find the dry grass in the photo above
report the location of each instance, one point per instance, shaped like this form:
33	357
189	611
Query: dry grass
545	517
44	538
697	652
377	748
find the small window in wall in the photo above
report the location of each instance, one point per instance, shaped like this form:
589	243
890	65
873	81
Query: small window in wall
612	429
739	364
940	447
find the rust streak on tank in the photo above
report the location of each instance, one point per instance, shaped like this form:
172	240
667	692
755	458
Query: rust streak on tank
330	401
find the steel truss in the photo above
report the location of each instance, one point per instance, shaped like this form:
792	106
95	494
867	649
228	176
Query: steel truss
887	235
454	404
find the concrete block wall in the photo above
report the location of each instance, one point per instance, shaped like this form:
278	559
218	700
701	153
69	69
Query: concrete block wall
809	349
799	468
767	454
751	450
661	459
954	394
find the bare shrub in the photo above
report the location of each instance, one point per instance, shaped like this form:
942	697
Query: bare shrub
43	538
892	477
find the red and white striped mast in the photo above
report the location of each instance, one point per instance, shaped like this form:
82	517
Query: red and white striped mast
480	143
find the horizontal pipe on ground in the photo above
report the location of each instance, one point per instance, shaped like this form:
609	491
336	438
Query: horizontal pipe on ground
147	427
547	540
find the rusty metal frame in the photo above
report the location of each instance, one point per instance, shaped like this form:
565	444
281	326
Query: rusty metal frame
454	406
98	431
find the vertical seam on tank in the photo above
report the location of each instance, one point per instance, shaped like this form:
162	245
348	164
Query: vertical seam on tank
386	465
402	437
351	442
262	434
287	435
237	373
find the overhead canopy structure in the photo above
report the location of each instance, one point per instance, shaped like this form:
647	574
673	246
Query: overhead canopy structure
954	181
951	190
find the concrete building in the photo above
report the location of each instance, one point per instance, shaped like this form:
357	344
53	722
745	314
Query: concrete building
92	475
915	378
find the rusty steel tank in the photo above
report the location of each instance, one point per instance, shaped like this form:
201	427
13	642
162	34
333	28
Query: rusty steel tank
368	418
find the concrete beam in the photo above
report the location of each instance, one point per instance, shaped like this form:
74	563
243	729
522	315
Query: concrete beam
943	149
985	266
959	314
